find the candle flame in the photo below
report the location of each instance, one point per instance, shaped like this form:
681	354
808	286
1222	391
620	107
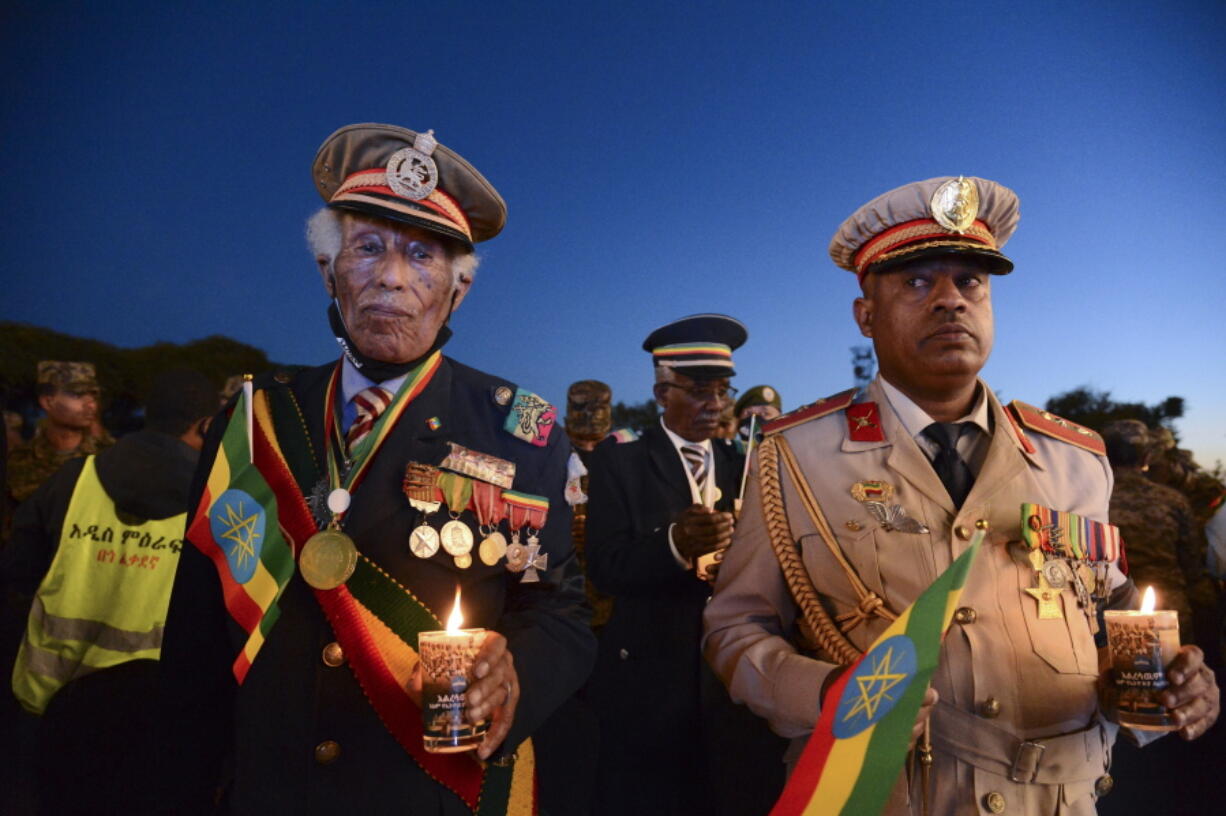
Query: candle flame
455	621
1148	601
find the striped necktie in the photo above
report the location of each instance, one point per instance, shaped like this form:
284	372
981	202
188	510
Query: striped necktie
370	403
696	458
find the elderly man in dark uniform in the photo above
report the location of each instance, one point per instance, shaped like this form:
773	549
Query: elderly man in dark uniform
864	499
657	505
430	483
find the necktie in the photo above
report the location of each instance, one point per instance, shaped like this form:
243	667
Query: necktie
370	403
696	458
953	472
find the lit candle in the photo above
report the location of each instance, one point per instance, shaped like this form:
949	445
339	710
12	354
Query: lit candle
1142	644
447	659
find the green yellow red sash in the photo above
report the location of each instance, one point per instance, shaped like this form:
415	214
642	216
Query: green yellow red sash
376	621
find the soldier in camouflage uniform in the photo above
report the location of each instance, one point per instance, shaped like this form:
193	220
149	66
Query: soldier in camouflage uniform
1155	521
68	393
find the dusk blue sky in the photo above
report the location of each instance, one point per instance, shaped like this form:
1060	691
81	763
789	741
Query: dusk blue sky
658	159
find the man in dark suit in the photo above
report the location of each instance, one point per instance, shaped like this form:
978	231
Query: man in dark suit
656	506
389	441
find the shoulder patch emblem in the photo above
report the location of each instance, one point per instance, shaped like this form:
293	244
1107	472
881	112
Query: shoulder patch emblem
530	418
1049	424
815	410
623	435
864	423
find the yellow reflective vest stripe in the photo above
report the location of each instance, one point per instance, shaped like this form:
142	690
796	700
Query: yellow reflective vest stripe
103	601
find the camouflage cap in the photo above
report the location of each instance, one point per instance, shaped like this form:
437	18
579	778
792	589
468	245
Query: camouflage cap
78	378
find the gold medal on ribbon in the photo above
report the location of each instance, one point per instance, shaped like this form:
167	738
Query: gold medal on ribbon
328	559
423	541
464	561
493	548
457	538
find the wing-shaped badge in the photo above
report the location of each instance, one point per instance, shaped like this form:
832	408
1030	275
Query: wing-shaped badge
893	518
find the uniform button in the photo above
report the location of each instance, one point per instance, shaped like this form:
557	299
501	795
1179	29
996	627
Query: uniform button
1103	785
962	532
333	654
965	615
994	802
989	709
624	654
327	752
983	524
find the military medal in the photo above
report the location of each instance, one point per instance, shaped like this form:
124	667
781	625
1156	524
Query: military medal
328	559
1057	573
526	512
1078	553
457	538
875	495
489	509
420	486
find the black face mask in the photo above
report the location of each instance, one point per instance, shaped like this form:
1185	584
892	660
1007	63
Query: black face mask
377	370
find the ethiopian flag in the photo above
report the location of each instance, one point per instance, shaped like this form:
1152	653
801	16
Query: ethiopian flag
236	525
856	752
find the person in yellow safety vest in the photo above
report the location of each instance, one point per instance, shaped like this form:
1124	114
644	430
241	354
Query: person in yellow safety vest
97	547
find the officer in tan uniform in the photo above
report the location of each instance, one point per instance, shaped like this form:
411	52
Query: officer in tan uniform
871	496
68	393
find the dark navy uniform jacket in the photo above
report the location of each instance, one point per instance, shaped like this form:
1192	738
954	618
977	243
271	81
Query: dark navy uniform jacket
260	738
671	740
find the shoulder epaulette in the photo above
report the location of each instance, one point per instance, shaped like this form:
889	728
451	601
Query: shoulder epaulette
1048	424
814	410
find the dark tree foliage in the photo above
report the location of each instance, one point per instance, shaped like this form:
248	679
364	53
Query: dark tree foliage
1095	409
637	417
124	374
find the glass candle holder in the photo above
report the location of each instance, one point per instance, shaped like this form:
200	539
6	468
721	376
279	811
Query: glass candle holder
447	672
1142	645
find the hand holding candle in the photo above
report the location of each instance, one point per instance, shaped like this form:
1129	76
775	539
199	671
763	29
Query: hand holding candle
1161	687
466	678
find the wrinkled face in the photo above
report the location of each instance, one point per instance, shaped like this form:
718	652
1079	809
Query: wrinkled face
930	322
71	410
692	408
393	285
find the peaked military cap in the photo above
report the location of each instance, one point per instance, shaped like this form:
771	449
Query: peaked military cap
698	346
759	395
940	216
395	173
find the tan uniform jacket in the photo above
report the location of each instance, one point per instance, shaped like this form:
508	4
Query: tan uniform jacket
1041	673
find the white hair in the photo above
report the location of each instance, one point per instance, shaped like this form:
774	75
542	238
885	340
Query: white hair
323	235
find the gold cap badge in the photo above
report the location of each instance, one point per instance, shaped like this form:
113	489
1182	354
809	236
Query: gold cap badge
955	204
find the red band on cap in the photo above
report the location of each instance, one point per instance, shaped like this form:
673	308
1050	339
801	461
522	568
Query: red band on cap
438	206
914	232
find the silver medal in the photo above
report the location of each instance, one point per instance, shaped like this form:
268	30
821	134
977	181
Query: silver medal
424	541
457	538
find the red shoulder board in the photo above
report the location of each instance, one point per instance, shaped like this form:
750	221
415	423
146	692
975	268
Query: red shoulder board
864	423
1049	424
814	410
